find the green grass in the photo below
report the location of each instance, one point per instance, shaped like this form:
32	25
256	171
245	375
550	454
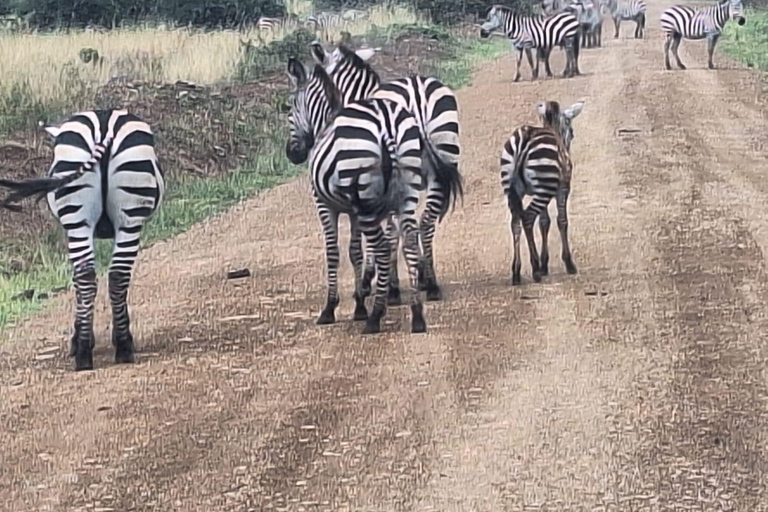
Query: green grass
193	200
748	44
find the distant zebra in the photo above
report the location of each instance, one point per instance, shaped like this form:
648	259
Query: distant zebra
536	162
268	24
541	33
324	22
365	161
628	10
590	15
105	182
354	15
436	110
680	22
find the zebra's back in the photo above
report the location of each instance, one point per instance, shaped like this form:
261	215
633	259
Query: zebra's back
686	21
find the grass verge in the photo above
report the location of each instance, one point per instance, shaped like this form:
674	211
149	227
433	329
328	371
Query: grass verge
748	44
193	199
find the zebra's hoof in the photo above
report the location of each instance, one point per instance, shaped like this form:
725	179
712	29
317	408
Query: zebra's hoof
434	293
372	326
544	271
515	279
418	324
394	299
84	361
537	276
326	317
124	356
570	268
360	313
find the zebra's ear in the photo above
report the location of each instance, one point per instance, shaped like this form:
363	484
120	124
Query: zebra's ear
53	131
541	108
365	53
297	73
574	110
318	52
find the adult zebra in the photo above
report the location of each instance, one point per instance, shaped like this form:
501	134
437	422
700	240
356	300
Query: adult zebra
436	109
590	15
324	22
105	182
680	22
536	161
628	10
541	33
365	161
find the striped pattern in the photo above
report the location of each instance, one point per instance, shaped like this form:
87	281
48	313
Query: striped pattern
628	10
541	33
269	24
365	162
324	22
536	162
104	182
682	22
354	15
436	110
590	15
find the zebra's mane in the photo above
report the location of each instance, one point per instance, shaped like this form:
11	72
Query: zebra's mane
332	94
356	61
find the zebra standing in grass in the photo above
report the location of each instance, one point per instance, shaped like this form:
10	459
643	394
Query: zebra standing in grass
680	22
436	110
541	33
324	22
105	182
365	161
628	10
536	162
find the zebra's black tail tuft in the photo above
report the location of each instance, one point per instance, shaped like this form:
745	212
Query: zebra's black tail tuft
28	188
448	176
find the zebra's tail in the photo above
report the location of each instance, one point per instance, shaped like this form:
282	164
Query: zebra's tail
41	187
447	176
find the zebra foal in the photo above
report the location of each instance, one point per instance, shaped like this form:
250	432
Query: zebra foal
105	182
681	21
436	109
542	33
365	161
536	162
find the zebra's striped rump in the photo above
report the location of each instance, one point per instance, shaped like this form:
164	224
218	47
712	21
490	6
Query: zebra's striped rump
366	163
536	162
104	182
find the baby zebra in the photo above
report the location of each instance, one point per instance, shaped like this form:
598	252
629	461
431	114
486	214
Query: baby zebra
105	182
365	161
681	21
536	162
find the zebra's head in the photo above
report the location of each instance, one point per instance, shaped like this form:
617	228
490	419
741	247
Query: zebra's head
314	102
736	12
341	57
495	21
560	120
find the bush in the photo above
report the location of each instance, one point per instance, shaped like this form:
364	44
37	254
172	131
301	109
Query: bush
259	61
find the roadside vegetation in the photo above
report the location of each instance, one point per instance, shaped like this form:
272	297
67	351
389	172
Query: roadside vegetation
749	44
216	100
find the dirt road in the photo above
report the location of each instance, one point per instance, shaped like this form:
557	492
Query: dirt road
638	384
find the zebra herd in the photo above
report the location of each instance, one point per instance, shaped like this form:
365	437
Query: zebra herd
321	22
373	149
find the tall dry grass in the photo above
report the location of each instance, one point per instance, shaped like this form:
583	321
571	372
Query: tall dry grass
47	67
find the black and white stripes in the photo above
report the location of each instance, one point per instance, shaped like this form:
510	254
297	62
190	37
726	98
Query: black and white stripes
541	33
365	161
536	162
104	182
628	10
683	22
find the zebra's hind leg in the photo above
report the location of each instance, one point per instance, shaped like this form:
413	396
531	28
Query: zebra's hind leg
518	60
83	341
534	68
677	39
543	54
640	28
393	236
562	225
330	222
529	218
667	43
358	261
544	223
427	227
711	43
516	209
377	242
412	255
126	247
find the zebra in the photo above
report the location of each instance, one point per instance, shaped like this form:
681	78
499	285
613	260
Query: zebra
265	24
542	33
630	10
536	162
680	22
436	109
324	22
590	15
354	15
105	182
365	161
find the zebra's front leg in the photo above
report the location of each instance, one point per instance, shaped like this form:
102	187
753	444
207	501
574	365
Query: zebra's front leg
379	246
562	225
518	60
330	222
544	224
711	43
358	261
677	39
83	340
534	68
544	55
616	24
667	43
124	253
393	236
412	255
